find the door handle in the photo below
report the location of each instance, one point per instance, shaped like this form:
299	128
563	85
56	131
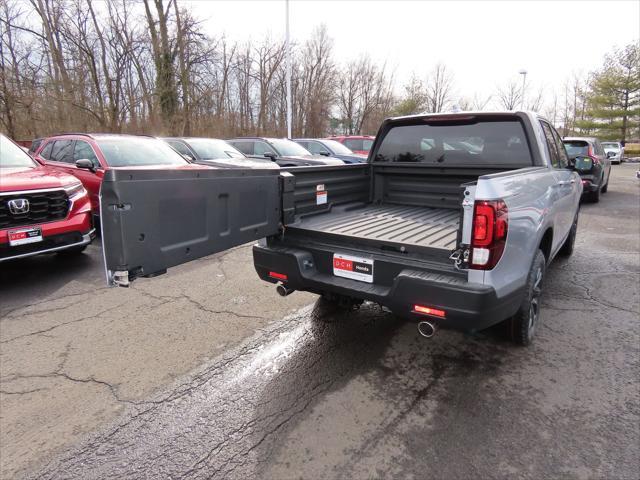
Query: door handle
566	182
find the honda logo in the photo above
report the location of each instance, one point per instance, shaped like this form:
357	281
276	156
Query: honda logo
18	206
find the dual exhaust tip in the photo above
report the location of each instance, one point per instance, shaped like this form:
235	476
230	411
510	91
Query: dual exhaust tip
425	328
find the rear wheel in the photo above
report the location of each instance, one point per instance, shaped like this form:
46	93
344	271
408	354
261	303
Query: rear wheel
594	197
527	319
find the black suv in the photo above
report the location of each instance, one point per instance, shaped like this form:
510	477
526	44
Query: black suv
282	151
595	174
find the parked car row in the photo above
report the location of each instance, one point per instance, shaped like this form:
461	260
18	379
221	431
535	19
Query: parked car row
47	199
50	202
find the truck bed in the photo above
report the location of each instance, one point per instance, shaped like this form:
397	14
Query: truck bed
410	225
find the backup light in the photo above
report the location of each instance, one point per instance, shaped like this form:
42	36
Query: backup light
490	225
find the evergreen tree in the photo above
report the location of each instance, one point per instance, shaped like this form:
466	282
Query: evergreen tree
613	103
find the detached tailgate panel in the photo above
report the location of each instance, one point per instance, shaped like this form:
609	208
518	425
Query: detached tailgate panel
156	219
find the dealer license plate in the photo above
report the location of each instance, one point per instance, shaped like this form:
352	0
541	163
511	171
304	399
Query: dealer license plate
24	236
355	268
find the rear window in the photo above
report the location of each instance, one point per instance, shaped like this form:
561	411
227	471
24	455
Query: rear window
576	147
483	142
358	144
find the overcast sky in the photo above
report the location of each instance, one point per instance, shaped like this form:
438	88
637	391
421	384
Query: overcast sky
484	43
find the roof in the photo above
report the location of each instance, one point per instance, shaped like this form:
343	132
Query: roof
586	139
97	136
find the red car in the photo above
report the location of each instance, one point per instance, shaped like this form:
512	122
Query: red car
88	156
356	143
42	210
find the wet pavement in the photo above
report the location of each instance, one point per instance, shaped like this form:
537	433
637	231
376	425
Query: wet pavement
324	393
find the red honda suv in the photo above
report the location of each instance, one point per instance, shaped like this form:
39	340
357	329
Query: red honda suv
42	210
88	156
356	143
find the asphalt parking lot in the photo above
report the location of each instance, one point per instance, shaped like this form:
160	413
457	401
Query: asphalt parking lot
205	372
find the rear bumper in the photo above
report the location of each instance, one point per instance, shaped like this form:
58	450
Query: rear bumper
589	184
468	306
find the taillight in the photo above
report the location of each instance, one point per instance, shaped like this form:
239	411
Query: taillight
490	225
592	156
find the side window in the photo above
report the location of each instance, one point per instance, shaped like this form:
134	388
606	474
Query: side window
316	148
244	147
260	148
551	145
562	152
353	144
304	145
181	148
62	151
84	150
46	151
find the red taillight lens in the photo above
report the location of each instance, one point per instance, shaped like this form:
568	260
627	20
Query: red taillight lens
279	276
490	226
429	311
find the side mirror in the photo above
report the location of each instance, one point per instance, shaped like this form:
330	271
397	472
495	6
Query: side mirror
270	155
324	153
583	164
86	164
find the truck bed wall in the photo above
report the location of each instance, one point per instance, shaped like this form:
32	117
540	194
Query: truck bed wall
426	186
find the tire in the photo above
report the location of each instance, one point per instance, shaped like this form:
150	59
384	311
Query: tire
594	197
72	252
527	319
567	247
606	187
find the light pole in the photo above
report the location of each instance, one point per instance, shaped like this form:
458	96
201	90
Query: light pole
288	73
523	72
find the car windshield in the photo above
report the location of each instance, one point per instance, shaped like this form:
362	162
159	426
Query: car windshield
212	149
576	147
287	148
611	146
478	141
138	151
337	147
12	156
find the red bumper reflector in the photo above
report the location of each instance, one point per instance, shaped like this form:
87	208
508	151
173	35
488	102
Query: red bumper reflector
429	311
279	276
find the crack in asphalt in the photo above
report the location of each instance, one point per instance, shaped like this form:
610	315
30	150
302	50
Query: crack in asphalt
77	320
8	314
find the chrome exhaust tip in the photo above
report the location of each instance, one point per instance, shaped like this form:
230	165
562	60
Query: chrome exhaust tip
282	289
427	329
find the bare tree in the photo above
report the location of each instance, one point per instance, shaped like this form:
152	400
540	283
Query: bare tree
510	95
439	88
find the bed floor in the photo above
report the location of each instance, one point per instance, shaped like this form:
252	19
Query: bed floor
421	226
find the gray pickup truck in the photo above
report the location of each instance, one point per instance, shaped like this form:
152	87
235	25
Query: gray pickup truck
451	222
